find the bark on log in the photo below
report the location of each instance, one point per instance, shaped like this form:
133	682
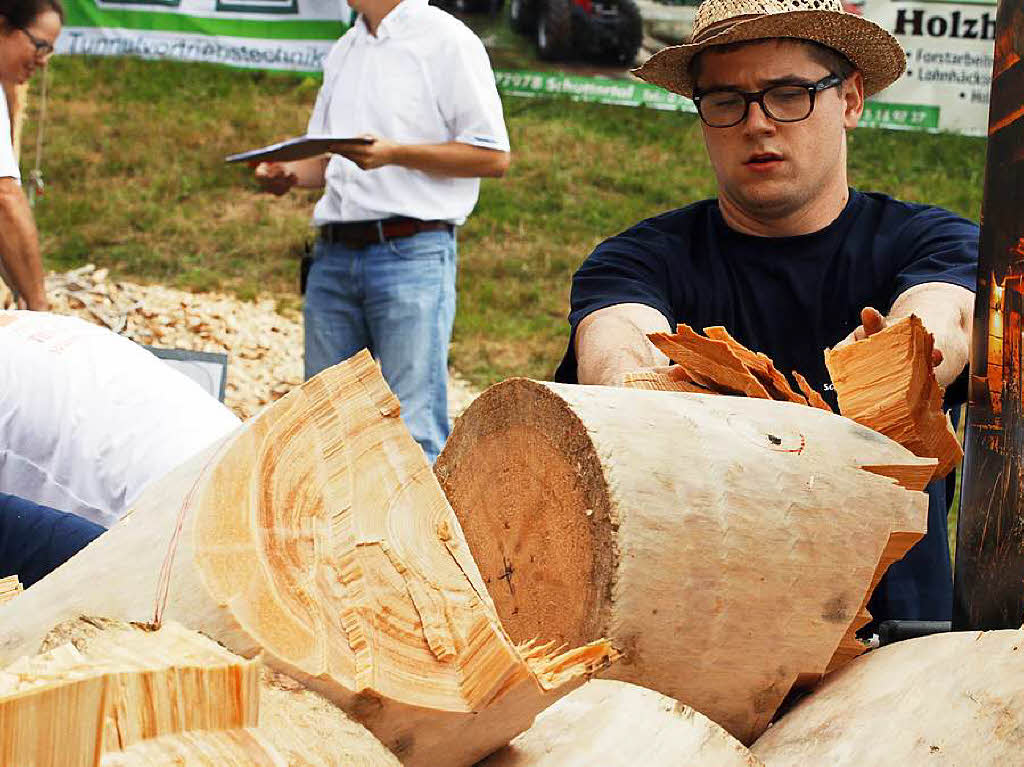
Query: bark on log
887	383
614	724
317	535
727	545
950	699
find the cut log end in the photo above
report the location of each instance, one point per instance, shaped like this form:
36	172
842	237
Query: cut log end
551	534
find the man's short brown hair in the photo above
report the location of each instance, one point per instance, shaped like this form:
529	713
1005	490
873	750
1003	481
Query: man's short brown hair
834	61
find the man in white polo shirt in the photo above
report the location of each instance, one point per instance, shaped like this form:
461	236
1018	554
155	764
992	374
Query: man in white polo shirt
383	277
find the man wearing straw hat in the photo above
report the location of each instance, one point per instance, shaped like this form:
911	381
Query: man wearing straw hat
788	258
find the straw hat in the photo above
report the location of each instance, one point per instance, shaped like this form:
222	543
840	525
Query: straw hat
875	52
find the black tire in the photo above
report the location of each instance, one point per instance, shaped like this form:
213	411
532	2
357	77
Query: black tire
630	32
554	29
522	16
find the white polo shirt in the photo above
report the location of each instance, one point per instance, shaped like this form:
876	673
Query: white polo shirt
8	163
89	418
424	79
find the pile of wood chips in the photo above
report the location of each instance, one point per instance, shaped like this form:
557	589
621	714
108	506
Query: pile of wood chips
264	347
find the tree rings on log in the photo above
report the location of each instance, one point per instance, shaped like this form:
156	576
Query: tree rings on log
316	536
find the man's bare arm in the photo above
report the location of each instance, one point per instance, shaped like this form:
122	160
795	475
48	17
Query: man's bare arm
613	341
947	312
19	246
279	177
453	158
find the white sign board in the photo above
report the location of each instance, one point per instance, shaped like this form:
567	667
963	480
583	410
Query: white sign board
949	49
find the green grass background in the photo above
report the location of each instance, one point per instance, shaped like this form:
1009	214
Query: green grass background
133	157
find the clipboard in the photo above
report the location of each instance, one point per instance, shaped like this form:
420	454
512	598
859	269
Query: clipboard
298	148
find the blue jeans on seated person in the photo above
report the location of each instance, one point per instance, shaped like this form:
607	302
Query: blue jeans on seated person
36	539
397	299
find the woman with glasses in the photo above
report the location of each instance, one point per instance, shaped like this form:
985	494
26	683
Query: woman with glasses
28	31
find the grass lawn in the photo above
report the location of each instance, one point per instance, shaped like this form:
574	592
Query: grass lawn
136	181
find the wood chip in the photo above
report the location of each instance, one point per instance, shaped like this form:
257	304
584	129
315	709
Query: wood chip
708	363
813	398
887	382
264	347
760	366
663	379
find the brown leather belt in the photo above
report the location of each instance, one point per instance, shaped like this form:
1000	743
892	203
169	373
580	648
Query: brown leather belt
359	234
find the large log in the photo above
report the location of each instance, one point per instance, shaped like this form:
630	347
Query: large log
949	699
726	545
615	724
317	535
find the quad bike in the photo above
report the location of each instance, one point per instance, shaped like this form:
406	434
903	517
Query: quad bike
609	29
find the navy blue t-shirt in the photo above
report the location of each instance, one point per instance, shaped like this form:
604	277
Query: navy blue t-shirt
791	298
788	297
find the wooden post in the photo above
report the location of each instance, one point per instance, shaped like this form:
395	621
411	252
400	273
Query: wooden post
726	545
989	567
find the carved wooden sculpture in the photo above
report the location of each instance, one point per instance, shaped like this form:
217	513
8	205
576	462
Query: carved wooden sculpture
317	535
945	699
615	724
727	545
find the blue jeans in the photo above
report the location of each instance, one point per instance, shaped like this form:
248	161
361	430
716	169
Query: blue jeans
36	539
397	299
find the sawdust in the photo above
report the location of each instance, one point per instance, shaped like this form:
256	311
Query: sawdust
264	347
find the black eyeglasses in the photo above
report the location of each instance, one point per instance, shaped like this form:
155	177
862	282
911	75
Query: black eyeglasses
783	103
43	47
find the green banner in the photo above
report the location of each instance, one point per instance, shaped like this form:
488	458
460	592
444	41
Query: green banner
258	34
602	90
632	93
